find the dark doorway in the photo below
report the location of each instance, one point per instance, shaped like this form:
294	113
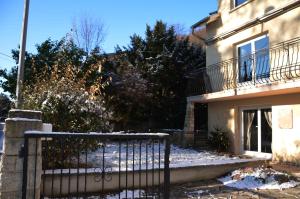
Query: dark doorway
201	118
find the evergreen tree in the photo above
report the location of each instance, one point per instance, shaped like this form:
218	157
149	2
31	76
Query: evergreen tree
161	61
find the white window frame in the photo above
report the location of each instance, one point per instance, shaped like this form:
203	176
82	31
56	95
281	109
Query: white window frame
252	42
235	5
258	153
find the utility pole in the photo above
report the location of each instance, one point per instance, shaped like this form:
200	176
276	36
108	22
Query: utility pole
20	79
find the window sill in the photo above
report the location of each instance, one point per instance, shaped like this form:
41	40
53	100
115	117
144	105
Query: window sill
239	6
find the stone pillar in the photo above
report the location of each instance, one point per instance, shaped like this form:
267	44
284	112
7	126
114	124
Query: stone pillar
11	165
189	124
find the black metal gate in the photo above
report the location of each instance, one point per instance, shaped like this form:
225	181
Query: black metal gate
97	165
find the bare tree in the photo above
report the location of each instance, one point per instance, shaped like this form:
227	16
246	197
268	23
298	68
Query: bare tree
88	33
180	29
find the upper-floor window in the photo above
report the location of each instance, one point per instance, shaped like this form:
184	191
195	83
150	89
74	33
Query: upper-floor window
239	2
253	59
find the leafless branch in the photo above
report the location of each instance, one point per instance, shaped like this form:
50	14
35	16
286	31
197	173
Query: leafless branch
88	33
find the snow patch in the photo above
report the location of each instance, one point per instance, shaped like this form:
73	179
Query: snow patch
197	193
179	157
127	194
259	178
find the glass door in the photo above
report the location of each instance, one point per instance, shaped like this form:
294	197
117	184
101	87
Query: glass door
266	130
250	130
253	60
257	130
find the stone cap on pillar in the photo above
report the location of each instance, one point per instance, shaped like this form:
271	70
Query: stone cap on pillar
29	114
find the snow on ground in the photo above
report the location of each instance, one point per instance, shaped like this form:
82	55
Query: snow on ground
259	178
179	157
197	193
127	194
124	194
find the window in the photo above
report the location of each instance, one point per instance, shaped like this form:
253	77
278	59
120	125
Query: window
239	2
253	60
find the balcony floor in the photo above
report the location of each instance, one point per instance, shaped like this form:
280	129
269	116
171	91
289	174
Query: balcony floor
251	91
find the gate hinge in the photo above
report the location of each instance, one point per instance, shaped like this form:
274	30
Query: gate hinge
22	152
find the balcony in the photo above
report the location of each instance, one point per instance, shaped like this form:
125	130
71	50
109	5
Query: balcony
279	63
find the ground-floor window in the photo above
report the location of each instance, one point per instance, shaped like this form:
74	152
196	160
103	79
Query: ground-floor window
257	130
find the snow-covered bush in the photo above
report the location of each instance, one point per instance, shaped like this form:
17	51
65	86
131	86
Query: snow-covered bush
68	106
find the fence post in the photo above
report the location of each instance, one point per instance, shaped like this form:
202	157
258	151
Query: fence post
11	166
167	169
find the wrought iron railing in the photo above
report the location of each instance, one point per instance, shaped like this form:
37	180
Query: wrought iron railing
281	62
98	165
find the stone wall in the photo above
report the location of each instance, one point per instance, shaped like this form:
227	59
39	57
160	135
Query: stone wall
11	165
189	124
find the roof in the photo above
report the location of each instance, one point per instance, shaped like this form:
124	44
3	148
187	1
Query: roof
213	16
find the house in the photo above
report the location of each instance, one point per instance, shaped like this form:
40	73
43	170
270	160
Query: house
251	82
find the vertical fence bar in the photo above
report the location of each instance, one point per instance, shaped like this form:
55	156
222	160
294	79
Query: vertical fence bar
52	169
153	145
146	190
103	168
126	186
78	165
25	167
159	185
62	165
69	161
35	164
133	169
45	165
120	144
86	163
167	169
140	169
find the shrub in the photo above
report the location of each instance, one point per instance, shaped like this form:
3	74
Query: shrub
219	140
5	105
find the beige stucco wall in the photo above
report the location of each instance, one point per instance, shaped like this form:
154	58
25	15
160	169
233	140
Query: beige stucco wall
279	29
233	17
226	115
286	144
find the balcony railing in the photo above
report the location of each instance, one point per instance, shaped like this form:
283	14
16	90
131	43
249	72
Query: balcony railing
281	62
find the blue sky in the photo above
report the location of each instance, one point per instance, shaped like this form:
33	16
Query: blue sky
53	19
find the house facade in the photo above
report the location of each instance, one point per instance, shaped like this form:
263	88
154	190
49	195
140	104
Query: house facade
251	83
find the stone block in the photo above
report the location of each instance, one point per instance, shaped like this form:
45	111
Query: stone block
10	195
11	181
47	127
13	146
15	128
15	163
30	114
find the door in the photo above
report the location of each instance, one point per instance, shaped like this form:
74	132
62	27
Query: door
257	130
201	118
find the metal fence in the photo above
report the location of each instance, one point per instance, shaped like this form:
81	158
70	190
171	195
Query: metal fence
98	165
281	62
